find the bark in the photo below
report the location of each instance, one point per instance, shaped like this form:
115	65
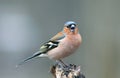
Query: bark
70	71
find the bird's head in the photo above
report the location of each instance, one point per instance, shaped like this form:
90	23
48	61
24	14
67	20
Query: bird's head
70	27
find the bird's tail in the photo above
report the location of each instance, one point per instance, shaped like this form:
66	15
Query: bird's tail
29	58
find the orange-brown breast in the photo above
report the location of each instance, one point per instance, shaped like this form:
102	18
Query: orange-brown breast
66	47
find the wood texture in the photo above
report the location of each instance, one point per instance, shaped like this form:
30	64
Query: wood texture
70	71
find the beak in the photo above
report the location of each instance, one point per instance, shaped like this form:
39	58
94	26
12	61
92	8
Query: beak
72	28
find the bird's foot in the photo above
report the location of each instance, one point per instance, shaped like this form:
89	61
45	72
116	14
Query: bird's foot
67	68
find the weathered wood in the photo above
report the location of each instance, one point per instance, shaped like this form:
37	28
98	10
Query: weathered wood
70	71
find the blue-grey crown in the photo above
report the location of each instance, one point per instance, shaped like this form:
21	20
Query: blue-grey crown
70	23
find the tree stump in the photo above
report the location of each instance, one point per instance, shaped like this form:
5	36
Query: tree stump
70	71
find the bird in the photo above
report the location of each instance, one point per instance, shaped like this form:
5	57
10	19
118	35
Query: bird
63	44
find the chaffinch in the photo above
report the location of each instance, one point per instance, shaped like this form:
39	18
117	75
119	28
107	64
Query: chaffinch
61	45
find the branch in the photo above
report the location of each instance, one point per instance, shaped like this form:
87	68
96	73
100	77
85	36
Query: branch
70	71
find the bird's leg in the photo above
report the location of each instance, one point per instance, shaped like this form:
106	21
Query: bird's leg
61	63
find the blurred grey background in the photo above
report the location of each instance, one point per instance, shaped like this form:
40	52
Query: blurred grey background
26	24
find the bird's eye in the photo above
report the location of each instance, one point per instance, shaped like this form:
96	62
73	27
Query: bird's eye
71	26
